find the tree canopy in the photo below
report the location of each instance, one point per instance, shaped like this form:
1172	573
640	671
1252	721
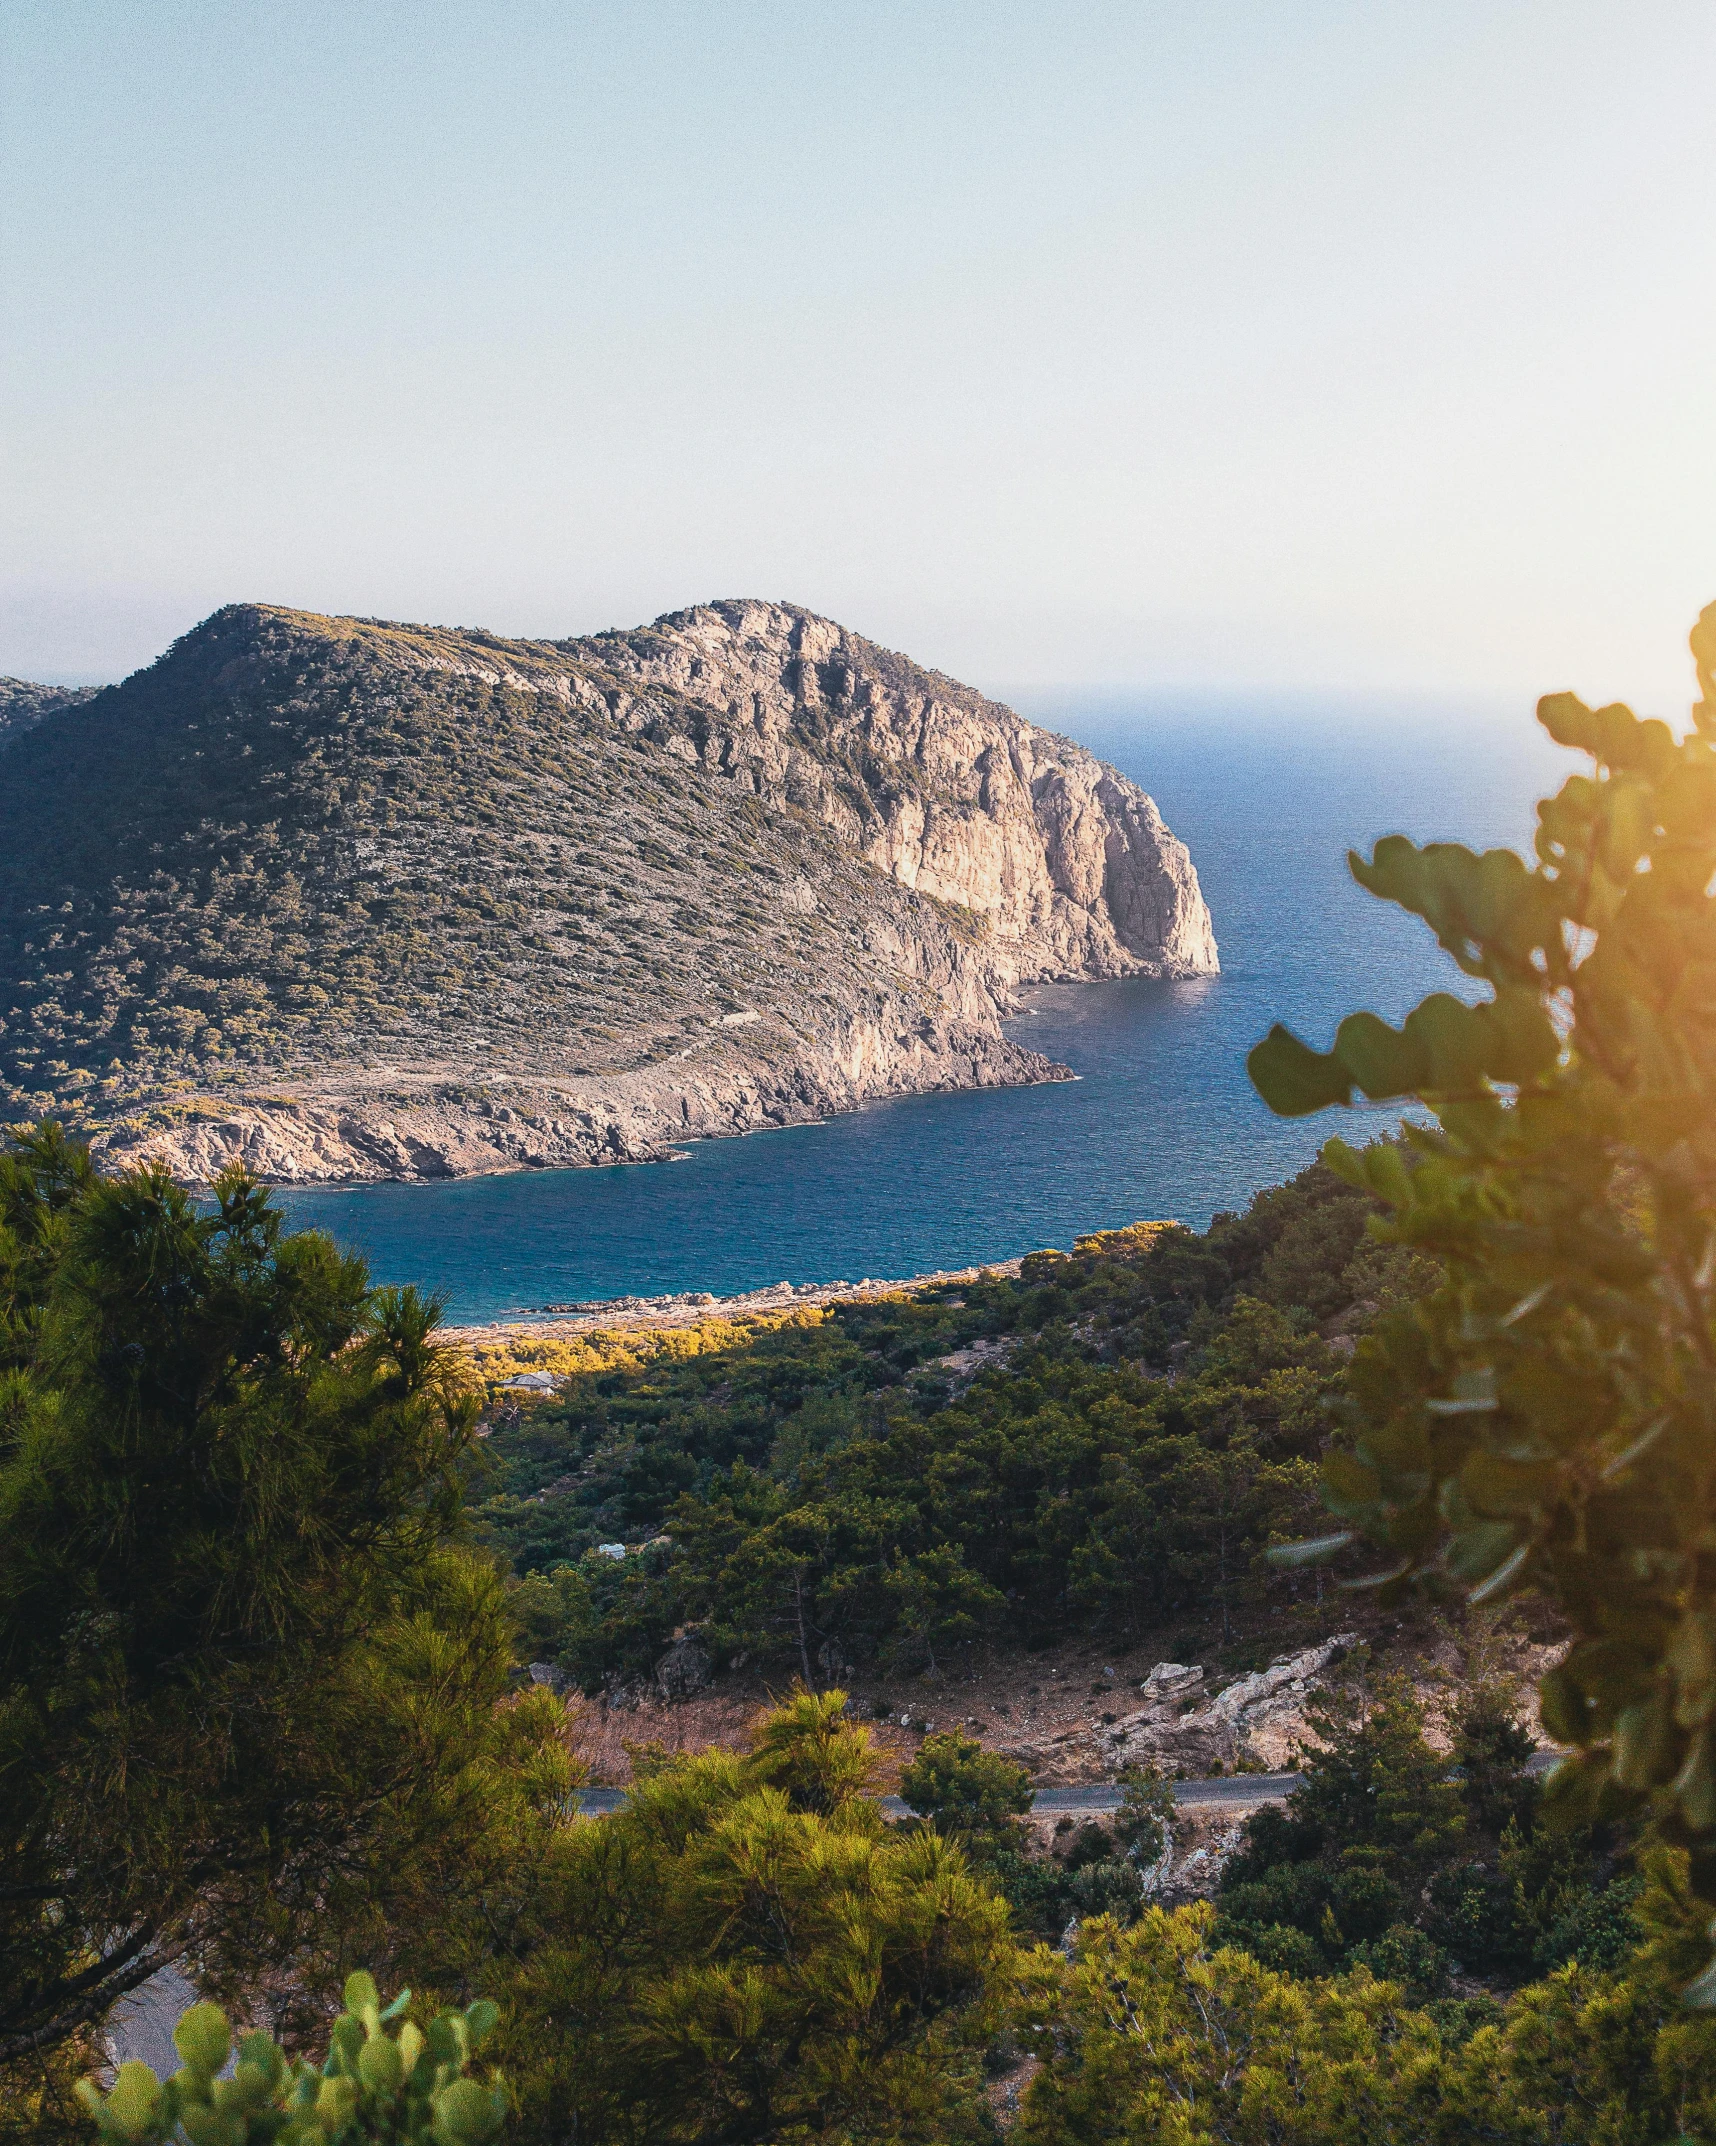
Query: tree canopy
248	1667
835	1496
747	1952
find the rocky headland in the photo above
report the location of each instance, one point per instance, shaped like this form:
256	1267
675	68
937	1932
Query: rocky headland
343	899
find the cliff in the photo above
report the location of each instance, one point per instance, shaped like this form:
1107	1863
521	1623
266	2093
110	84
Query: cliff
1068	863
351	899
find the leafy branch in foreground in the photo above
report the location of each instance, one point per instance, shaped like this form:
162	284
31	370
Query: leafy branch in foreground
377	2087
1547	1416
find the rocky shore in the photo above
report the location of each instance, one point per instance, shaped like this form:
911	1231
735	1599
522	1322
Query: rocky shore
365	1126
695	1307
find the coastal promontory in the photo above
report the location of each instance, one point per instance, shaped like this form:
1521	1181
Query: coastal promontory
348	899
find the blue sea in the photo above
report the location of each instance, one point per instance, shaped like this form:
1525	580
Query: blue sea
1269	795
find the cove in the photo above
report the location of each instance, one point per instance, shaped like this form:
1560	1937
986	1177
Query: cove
1161	1121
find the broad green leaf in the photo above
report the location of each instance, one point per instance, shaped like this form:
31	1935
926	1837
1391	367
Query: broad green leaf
203	2039
1384	1062
1295	1080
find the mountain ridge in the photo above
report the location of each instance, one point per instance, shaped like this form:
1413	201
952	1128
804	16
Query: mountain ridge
24	704
348	898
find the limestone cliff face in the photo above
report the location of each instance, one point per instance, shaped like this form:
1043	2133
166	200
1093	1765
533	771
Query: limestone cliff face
345	899
1067	862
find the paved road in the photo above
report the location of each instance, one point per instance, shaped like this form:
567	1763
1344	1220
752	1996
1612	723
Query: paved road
141	2026
1241	1789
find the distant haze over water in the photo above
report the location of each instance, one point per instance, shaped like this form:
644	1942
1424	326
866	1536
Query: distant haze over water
1162	1122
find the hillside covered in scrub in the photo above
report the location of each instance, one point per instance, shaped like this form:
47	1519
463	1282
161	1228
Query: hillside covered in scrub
23	705
348	899
1101	1449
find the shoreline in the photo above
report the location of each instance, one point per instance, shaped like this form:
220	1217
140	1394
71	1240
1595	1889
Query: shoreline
448	1126
696	1307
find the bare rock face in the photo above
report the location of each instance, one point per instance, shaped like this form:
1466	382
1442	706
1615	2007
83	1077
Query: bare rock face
1254	1722
947	792
685	1669
341	899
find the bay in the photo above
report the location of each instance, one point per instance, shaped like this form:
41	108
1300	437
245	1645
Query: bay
1269	794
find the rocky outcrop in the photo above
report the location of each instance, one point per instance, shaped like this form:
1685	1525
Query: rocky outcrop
636	1116
1254	1722
949	793
684	1670
344	900
681	1674
1201	1843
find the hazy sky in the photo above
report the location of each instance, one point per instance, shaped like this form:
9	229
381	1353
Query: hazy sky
1218	343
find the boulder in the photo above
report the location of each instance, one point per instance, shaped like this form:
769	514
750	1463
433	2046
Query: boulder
1256	1719
1193	1745
1292	1674
1172	1679
684	1669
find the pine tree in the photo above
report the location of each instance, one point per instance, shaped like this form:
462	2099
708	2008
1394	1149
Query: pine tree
248	1672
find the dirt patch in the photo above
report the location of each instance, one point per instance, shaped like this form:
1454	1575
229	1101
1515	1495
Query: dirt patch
604	1737
1005	2093
1055	1712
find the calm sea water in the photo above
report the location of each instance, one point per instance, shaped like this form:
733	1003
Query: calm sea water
1162	1121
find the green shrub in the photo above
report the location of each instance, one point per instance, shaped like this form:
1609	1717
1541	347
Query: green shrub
1405	1955
1113	1886
965	1791
386	2082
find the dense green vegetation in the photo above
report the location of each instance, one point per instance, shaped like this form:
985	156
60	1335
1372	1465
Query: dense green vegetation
978	1799
748	1951
1317	2001
250	1670
23	705
1391	1858
256	1716
1158	2033
231	1505
833	1496
1410	1950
